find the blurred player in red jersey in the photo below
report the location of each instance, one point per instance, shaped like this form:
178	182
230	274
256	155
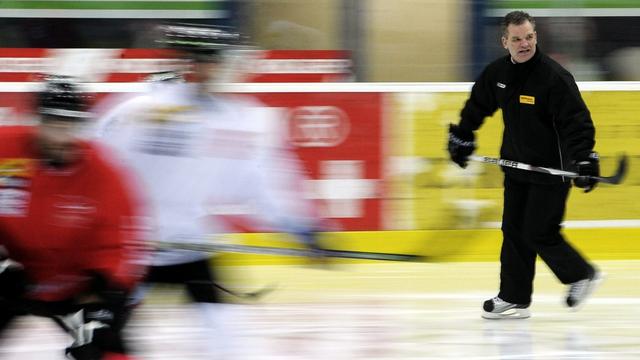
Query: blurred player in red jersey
70	240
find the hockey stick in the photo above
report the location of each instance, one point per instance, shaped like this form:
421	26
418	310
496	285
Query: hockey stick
614	179
269	250
251	295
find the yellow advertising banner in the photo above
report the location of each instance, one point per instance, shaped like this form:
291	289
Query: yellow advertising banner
431	194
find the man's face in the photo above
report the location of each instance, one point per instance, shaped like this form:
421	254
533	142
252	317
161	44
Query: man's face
521	41
57	141
204	70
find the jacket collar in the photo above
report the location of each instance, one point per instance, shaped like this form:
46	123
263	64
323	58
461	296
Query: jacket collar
534	60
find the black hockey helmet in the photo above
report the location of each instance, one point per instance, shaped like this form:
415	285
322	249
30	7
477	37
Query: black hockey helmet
199	39
61	98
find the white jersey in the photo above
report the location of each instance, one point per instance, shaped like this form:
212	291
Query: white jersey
203	156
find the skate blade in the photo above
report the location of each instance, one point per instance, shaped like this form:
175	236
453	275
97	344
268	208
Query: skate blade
514	313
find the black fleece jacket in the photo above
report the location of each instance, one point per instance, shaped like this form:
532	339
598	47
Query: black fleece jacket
546	122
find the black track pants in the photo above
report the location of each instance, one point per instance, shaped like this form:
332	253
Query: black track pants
531	226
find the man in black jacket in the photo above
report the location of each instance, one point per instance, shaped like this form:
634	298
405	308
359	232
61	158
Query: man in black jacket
546	123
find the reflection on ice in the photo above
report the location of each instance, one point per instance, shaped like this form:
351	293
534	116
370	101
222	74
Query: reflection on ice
381	311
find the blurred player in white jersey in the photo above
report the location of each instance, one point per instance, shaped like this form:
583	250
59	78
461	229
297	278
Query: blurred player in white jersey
197	152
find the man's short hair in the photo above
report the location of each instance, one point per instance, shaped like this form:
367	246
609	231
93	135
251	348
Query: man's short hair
516	18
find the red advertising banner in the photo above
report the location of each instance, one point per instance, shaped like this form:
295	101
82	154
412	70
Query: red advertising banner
292	66
337	135
130	65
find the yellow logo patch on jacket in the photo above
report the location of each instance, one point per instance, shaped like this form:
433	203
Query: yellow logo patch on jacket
16	167
525	99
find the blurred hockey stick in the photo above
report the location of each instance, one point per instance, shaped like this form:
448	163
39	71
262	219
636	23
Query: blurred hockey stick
269	250
251	295
614	179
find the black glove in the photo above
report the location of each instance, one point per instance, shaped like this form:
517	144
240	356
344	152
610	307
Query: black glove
311	242
96	320
317	255
13	279
93	331
461	144
587	168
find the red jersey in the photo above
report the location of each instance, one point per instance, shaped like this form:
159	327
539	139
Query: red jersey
63	224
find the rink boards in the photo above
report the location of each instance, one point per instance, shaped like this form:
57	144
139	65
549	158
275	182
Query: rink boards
381	170
453	215
602	224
